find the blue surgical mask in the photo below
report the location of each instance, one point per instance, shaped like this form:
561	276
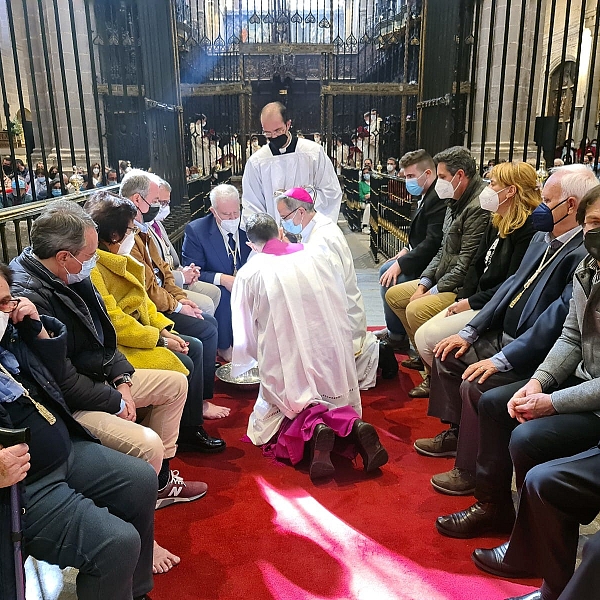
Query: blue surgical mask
542	219
291	227
413	187
56	193
86	269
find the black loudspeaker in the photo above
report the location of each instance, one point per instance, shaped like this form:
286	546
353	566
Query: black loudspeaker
546	129
29	138
544	135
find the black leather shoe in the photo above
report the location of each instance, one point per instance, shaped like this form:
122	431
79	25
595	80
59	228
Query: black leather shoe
491	561
144	597
321	445
373	454
537	595
422	390
479	519
387	361
195	439
414	363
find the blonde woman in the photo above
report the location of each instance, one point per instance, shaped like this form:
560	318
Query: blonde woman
511	196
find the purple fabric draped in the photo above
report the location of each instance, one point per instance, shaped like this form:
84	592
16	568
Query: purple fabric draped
279	248
294	433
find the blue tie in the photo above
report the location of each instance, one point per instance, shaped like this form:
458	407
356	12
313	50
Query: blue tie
232	247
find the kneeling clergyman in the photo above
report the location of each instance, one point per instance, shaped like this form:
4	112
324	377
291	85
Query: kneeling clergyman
290	318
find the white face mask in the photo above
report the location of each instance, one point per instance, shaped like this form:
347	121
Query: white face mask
489	199
390	168
163	213
4	318
444	189
126	244
230	225
96	171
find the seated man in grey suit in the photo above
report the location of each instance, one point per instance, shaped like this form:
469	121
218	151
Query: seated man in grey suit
206	295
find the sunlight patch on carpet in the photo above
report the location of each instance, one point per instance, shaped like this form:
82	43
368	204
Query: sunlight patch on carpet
370	571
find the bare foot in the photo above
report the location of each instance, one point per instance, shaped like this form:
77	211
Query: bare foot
212	411
163	560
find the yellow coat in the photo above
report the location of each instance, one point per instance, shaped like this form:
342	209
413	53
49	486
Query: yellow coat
120	282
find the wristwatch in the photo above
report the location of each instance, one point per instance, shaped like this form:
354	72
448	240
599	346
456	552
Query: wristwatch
162	342
125	378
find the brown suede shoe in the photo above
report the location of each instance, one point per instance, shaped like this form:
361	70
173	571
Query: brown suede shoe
456	482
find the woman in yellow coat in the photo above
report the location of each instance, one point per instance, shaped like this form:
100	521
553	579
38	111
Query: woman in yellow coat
144	335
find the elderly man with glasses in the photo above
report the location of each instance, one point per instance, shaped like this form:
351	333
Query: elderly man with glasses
287	162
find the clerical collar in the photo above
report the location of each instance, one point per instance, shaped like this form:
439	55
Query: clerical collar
290	148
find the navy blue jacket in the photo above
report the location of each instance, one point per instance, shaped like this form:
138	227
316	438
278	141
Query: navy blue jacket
545	311
204	246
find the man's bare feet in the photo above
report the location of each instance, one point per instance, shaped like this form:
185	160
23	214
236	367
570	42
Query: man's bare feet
163	560
212	411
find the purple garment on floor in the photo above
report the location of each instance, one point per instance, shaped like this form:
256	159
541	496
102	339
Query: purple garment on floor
294	433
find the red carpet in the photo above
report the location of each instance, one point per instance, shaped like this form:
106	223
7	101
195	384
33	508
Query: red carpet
265	531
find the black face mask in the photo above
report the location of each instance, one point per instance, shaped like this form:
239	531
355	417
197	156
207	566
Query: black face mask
7	169
591	241
151	214
280	141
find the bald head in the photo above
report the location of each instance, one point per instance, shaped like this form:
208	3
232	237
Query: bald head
274	120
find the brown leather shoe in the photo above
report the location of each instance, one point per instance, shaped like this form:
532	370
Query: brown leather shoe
373	454
414	363
421	390
478	520
492	561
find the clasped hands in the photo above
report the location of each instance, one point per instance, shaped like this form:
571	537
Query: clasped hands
530	402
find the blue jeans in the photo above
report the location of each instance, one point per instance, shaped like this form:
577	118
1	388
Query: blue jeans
96	513
392	322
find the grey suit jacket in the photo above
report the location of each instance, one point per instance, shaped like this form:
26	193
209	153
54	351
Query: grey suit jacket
577	350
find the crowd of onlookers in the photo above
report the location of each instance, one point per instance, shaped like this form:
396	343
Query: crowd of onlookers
20	186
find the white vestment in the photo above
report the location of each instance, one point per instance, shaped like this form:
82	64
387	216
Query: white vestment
308	165
289	318
323	232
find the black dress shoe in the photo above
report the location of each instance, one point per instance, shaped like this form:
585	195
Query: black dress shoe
373	454
321	445
387	361
537	595
479	519
491	561
414	363
422	390
195	439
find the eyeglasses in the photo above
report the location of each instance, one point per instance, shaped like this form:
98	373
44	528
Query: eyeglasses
134	230
288	215
276	133
7	306
94	257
